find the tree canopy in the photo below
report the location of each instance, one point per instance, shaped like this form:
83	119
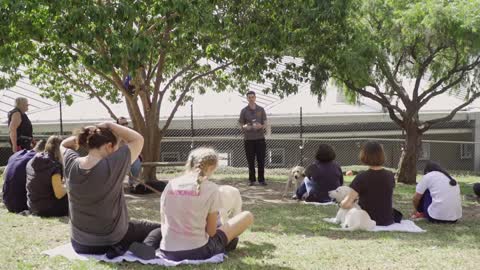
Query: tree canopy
401	54
150	52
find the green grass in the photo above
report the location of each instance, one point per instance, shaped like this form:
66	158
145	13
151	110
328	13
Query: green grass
286	235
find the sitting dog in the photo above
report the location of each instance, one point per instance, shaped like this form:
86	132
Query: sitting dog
354	218
296	176
231	202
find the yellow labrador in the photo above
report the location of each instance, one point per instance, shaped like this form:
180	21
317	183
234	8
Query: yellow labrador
354	218
296	176
231	202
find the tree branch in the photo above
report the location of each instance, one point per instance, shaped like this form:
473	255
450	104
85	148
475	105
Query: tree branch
383	101
186	90
430	92
171	81
402	94
422	69
441	91
88	87
428	124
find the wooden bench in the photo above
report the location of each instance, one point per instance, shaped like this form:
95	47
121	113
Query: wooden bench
162	164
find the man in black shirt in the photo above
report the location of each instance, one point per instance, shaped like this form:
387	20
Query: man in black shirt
19	126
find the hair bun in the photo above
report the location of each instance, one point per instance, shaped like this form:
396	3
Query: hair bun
83	136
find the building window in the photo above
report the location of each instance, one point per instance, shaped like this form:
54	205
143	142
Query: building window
224	159
466	151
170	157
425	152
276	157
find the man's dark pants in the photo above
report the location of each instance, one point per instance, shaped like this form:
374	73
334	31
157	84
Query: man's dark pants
255	148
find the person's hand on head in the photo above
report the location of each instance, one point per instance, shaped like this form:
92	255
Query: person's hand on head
103	125
91	128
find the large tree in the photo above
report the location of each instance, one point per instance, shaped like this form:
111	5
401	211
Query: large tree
170	49
402	54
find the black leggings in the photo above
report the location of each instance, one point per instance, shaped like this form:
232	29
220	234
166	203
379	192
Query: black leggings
138	231
58	209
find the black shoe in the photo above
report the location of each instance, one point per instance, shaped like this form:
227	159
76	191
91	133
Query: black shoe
115	251
251	184
142	251
263	183
232	245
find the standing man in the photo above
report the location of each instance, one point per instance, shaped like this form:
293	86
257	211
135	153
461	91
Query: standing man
19	126
253	121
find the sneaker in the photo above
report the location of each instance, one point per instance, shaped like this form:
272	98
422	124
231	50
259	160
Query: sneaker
142	251
251	184
232	245
263	183
418	215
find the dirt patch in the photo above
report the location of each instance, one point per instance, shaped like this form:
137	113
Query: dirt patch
272	193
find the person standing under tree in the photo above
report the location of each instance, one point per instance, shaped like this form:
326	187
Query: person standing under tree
19	126
253	121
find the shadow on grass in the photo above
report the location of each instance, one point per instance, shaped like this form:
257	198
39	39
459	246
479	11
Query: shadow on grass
307	221
248	256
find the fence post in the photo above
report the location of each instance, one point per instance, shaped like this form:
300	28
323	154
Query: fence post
192	131
301	137
61	117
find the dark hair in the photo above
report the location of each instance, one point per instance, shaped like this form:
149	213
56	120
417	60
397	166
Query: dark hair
372	154
433	166
120	118
95	139
325	153
476	189
251	93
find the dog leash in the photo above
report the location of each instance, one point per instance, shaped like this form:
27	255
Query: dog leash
143	183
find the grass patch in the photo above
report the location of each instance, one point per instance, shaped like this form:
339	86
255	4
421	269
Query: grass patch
286	235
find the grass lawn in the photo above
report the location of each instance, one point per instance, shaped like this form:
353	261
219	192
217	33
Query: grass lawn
286	235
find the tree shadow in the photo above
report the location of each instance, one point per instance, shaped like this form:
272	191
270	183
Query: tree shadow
248	256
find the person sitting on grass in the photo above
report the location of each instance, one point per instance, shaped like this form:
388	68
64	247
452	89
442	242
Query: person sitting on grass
437	196
374	187
46	195
323	175
99	219
14	190
189	212
476	189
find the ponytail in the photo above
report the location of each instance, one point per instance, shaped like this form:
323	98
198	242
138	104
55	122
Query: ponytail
433	166
92	139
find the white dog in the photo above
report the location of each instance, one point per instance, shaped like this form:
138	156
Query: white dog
354	218
296	176
231	202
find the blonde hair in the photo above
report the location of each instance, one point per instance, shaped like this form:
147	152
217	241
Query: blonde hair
52	147
201	159
20	100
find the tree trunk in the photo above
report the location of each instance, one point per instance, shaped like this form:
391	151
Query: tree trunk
407	171
151	153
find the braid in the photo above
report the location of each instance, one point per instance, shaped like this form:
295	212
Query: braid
201	159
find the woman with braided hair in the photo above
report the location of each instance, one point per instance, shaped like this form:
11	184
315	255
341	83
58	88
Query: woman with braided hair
189	212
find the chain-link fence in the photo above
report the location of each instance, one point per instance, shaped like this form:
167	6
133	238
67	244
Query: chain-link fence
293	140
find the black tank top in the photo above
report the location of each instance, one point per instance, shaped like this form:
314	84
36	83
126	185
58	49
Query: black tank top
25	127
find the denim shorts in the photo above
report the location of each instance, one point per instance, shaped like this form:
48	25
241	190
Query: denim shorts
215	245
